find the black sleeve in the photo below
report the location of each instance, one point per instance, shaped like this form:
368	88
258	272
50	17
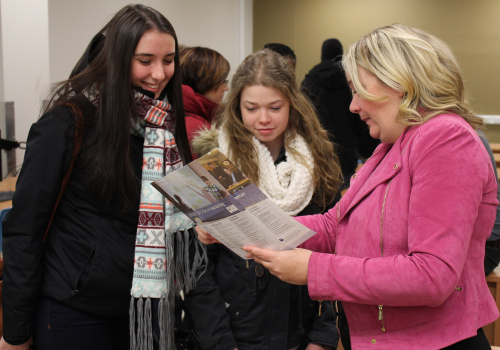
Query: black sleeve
48	153
324	331
208	311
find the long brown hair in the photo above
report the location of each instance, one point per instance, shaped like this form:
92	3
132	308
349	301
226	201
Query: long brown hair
106	64
269	69
203	69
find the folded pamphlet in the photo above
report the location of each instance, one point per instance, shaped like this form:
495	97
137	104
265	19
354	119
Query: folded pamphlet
219	198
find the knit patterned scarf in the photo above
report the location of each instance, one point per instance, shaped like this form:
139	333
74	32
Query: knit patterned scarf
158	221
162	265
157	272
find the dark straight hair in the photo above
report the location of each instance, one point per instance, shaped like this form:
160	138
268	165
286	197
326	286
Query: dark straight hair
106	64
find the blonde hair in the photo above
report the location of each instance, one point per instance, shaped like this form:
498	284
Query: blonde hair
269	69
416	63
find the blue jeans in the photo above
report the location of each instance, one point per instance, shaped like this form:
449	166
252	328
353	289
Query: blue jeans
60	327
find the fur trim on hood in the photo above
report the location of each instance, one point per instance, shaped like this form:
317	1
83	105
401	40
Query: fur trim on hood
205	140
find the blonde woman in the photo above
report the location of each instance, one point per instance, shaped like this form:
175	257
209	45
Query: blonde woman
409	234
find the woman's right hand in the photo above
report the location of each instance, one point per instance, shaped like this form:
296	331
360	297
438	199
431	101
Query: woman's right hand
6	346
203	236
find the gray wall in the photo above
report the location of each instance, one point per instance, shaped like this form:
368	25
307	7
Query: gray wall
42	48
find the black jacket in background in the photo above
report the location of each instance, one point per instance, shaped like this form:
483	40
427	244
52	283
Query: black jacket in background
87	259
326	86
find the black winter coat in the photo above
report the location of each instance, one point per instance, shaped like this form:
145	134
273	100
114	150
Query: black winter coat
238	303
87	259
326	86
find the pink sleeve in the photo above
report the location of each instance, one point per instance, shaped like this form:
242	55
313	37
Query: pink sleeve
452	202
325	227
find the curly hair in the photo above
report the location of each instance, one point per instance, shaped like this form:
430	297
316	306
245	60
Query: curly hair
416	63
269	69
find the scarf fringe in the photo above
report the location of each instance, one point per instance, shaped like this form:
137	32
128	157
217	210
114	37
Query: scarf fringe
163	323
189	267
186	270
131	322
141	325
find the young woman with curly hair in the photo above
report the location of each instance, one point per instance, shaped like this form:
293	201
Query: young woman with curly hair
271	132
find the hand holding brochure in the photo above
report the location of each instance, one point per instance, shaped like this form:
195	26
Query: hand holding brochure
219	198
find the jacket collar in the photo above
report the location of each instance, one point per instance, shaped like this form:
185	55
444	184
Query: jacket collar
197	104
381	167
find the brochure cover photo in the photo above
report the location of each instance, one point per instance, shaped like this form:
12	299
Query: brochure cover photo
219	198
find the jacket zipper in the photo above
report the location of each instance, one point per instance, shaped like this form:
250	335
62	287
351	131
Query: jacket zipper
381	307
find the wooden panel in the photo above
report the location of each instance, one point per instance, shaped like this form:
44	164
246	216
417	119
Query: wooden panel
495	147
497	158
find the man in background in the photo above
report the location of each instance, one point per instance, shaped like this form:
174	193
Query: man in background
284	51
327	88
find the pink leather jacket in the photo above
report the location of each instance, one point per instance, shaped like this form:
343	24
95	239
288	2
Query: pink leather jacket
409	240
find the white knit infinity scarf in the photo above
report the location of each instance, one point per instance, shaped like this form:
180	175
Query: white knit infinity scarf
289	184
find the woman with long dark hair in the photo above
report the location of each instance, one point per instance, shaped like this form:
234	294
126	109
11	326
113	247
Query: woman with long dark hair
104	278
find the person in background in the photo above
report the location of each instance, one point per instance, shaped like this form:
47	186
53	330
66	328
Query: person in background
204	72
213	189
265	129
409	234
231	177
181	205
284	51
492	254
216	170
326	87
89	286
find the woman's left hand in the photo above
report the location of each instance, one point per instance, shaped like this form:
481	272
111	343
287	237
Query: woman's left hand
288	265
204	236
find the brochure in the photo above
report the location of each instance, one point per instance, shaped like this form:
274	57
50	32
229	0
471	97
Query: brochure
219	198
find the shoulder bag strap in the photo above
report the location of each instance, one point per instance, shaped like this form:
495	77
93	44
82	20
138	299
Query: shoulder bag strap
76	150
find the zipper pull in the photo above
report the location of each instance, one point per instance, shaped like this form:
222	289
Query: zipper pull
320	303
381	316
248	265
